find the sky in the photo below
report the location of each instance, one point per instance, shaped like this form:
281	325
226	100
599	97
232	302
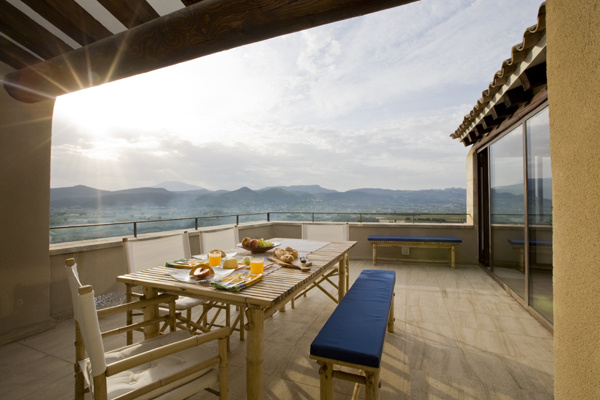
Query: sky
366	102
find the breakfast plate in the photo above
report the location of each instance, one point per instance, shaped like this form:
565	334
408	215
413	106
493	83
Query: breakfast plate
184	275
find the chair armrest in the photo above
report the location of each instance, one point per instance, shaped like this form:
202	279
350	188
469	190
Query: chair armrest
163	298
142	358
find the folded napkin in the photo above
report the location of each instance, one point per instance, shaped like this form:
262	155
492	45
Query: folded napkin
236	282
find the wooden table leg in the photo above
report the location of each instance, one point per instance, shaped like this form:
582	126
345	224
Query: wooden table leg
452	257
255	354
150	312
341	279
372	386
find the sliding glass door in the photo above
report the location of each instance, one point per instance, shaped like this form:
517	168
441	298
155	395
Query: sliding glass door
520	211
507	214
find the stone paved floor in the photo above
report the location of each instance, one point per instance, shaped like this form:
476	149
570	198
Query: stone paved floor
458	335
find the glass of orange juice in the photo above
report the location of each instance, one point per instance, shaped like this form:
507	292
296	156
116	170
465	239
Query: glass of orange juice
214	259
257	266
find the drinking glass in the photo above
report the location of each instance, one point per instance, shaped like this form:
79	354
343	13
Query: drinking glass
257	266
214	259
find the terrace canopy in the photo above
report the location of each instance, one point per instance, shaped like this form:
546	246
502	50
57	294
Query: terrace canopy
60	46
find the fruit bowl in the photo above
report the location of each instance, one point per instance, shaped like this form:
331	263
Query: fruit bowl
258	250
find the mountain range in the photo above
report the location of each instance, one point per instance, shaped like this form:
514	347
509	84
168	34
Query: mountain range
285	198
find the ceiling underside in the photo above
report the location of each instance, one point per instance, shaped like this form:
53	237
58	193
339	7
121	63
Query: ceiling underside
60	46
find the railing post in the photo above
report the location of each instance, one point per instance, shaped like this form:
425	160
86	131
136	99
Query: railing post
413	217
268	217
361	220
196	223
237	219
135	229
313	217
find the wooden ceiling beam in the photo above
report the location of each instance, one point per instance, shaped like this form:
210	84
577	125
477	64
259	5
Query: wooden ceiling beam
22	29
204	28
130	13
517	96
500	110
15	56
534	77
70	18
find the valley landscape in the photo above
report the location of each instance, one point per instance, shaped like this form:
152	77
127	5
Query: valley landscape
83	205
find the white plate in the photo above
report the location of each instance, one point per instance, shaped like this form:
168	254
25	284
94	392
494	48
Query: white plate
183	275
204	257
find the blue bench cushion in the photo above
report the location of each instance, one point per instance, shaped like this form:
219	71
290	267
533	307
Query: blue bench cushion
536	243
414	239
356	330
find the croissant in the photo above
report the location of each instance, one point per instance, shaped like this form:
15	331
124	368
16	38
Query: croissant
287	258
278	252
293	252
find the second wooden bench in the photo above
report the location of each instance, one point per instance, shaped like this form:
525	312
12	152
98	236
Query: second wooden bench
354	334
415	241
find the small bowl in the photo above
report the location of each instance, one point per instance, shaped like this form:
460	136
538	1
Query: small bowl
259	250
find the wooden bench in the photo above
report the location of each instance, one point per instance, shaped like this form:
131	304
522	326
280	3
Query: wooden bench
353	335
415	241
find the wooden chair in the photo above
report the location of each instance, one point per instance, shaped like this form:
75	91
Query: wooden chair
224	239
171	366
144	253
326	232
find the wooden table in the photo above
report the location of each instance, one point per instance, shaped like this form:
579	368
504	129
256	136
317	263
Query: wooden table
261	300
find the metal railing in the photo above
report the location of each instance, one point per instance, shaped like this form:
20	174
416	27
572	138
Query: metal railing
412	217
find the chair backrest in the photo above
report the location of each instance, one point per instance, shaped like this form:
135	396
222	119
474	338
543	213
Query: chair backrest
147	253
84	308
221	239
326	232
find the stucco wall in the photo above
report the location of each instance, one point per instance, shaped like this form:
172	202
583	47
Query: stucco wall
574	95
25	133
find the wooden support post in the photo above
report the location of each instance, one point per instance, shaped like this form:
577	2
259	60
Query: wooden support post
326	373
341	279
452	257
150	312
79	355
223	384
128	297
255	353
100	387
372	386
242	330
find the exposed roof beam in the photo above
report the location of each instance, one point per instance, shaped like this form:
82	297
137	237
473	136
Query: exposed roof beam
131	13
204	28
71	18
22	29
534	76
15	56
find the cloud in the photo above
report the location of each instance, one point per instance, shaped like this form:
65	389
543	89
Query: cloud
369	101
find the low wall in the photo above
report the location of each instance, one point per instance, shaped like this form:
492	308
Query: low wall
101	261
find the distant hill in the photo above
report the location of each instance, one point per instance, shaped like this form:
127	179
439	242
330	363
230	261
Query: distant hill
312	189
174	186
75	192
311	198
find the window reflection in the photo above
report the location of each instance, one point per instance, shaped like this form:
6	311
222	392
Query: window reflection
507	210
539	207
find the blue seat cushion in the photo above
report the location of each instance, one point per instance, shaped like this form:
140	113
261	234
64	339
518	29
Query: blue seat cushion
536	243
414	239
356	330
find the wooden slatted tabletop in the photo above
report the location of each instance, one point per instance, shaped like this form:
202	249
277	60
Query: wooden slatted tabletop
270	291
